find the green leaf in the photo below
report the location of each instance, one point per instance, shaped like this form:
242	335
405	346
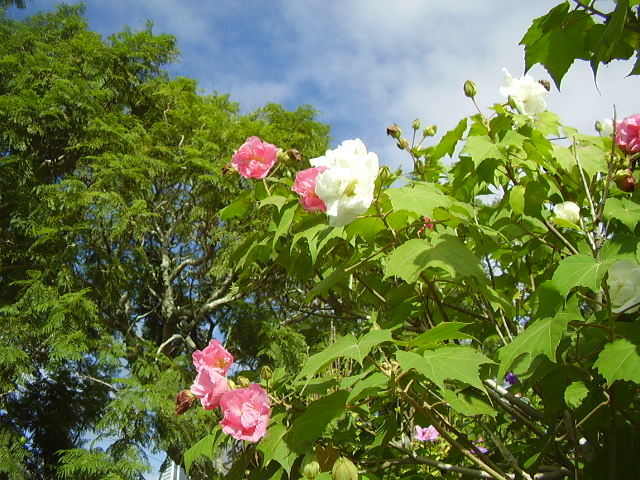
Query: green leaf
448	143
542	337
556	39
453	362
624	210
607	43
369	386
482	147
345	347
306	428
442	331
237	208
579	271
619	360
445	252
516	199
421	198
275	447
468	403
204	447
286	217
575	393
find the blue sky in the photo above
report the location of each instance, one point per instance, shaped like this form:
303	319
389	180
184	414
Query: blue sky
364	63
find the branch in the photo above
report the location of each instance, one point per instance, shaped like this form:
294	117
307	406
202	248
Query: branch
447	467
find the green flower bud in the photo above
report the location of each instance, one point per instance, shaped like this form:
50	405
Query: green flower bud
598	126
394	131
243	381
310	467
402	143
470	89
430	131
266	373
344	469
416	124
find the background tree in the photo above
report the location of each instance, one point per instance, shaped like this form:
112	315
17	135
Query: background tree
115	262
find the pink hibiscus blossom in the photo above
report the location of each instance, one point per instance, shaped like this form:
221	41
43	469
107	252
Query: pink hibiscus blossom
214	357
305	186
628	134
246	413
209	386
429	434
254	158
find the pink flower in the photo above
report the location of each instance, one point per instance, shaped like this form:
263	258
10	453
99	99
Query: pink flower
428	224
429	434
254	158
246	413
209	386
628	134
213	357
305	186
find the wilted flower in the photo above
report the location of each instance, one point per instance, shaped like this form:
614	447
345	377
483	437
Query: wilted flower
478	445
568	211
625	180
526	93
624	286
184	400
254	158
209	386
305	186
429	434
245	413
628	134
346	186
214	357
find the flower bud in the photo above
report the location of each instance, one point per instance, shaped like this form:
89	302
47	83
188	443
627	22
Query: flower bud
384	173
344	469
430	131
266	373
184	400
243	381
394	131
598	126
416	124
568	211
281	155
625	180
470	89
310	467
402	143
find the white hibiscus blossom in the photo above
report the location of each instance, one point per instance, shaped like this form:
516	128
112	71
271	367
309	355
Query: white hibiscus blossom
526	92
347	186
624	286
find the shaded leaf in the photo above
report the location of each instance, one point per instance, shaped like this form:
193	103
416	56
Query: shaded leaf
619	360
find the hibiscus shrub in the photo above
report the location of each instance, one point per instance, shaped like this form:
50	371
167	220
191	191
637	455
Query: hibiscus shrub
493	290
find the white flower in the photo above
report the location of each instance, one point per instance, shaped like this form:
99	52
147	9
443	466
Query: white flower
606	127
624	286
568	211
526	92
346	187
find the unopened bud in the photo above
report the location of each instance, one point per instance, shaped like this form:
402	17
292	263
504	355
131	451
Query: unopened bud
344	469
310	467
470	89
243	381
184	400
266	373
394	131
416	124
625	180
281	155
384	173
430	131
598	126
402	143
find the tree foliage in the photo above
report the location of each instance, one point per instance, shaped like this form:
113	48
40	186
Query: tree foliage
115	254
